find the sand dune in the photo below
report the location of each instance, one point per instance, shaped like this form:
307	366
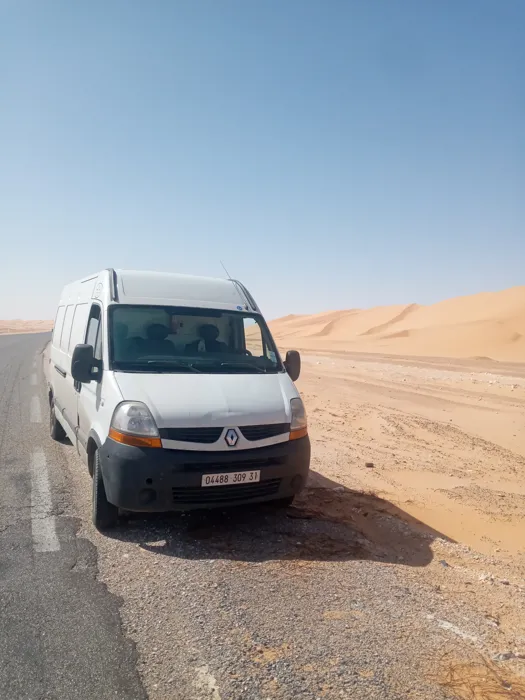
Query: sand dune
18	326
489	324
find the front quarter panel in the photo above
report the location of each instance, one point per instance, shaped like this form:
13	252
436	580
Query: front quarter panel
289	392
99	405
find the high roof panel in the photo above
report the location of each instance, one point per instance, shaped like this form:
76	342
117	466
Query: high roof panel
184	290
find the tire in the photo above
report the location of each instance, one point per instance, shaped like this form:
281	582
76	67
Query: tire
104	514
56	431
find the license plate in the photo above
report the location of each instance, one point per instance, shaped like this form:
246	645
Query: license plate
231	478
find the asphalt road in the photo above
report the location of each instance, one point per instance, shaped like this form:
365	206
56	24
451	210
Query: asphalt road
61	634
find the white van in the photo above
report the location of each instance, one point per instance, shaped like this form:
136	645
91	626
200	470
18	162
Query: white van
173	391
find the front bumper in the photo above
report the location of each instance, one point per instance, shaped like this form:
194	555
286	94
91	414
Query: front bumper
158	480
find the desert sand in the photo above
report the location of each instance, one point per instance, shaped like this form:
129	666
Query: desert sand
19	326
489	324
445	439
418	411
438	444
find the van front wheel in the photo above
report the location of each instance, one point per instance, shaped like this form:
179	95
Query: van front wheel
105	514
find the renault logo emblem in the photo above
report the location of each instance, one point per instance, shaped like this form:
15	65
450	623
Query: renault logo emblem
231	437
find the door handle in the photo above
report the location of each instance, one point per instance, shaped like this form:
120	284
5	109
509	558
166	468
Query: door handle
60	371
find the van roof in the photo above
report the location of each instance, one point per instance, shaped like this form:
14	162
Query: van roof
142	287
159	288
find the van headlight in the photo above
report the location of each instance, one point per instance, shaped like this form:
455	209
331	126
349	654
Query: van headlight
298	425
132	424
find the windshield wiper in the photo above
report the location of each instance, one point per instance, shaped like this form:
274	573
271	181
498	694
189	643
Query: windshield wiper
243	365
217	364
174	364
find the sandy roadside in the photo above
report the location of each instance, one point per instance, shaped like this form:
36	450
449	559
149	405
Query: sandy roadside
17	327
446	440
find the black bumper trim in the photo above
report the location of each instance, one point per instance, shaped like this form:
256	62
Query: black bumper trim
225	494
158	479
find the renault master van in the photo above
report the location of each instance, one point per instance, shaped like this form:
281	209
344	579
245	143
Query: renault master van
173	392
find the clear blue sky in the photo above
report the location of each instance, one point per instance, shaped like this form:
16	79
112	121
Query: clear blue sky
334	153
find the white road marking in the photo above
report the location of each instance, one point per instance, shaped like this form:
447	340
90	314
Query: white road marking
33	379
43	525
35	414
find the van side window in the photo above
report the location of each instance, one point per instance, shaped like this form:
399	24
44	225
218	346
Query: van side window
98	344
59	322
94	331
66	329
78	329
252	337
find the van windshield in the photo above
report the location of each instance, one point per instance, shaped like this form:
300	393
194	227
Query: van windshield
181	339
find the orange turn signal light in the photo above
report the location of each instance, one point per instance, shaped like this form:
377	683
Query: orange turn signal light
134	440
296	434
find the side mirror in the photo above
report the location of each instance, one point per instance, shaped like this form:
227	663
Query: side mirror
82	363
293	364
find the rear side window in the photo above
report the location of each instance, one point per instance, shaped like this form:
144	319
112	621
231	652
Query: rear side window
59	322
94	331
66	329
78	329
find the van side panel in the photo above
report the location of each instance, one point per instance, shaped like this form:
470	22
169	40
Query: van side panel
69	331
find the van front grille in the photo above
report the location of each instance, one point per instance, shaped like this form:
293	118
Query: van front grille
225	494
205	436
263	432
